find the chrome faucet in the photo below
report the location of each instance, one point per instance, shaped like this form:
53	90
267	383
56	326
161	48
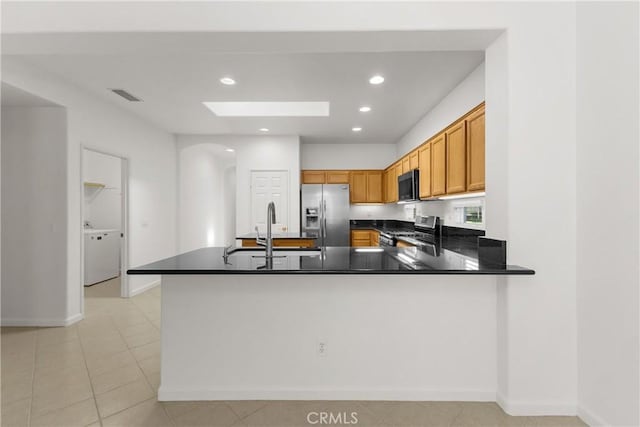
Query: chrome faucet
267	242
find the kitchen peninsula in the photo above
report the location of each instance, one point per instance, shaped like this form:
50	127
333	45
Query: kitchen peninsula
327	323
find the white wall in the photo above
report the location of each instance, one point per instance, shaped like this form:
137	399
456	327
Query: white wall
347	156
204	201
34	216
152	175
378	354
607	175
446	210
531	130
467	95
273	152
386	211
102	206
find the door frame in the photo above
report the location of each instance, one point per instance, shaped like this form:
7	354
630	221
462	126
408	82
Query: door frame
124	220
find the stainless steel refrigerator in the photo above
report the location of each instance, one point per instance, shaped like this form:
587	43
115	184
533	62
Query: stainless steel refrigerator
324	213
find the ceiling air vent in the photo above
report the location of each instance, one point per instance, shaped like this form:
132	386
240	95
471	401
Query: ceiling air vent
126	95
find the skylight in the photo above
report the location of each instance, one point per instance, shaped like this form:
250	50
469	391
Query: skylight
269	109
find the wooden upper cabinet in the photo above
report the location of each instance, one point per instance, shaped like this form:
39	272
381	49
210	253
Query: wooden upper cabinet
374	187
358	186
456	158
391	176
406	164
365	186
395	181
438	165
385	194
313	177
414	160
424	166
475	150
337	177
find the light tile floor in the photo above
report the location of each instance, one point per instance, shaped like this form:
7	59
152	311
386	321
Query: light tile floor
104	371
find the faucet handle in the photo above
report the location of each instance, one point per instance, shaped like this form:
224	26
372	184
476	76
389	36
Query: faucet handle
261	241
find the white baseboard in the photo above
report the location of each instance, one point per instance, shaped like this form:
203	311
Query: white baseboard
520	408
589	417
73	319
143	288
169	394
42	322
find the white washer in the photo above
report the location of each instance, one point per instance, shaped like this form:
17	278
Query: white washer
101	255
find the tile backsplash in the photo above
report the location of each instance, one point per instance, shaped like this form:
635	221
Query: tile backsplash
445	209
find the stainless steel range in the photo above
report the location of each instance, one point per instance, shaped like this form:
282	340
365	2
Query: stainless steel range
386	239
426	235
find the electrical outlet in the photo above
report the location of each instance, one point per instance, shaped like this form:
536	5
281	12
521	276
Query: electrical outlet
322	348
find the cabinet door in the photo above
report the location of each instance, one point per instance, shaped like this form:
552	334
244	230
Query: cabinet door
361	238
414	162
406	164
358	186
337	177
391	173
438	168
375	238
385	185
374	187
313	177
402	244
424	166
475	151
395	181
456	158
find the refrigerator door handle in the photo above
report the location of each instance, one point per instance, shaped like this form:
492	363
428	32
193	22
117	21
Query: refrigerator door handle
324	218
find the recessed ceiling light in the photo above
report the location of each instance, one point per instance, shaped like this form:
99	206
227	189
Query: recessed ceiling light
269	109
356	129
376	80
263	130
230	150
227	81
365	109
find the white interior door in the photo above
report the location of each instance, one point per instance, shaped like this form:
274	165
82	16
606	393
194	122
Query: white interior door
270	186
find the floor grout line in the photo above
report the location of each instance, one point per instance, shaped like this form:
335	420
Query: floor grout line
33	376
93	392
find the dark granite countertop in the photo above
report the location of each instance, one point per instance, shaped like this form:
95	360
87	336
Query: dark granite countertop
329	260
290	235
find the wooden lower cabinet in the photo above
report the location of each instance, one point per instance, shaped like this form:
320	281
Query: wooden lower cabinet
401	244
375	238
290	243
365	238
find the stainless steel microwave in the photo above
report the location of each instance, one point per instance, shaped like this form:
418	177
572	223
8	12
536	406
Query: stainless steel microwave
408	190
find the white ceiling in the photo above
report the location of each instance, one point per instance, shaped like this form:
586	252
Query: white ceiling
13	97
174	86
173	73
